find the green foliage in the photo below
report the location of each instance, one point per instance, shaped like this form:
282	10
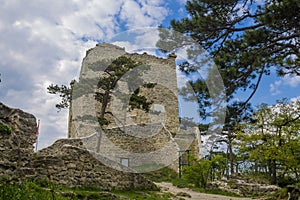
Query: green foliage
182	183
260	35
5	129
64	93
218	167
26	190
103	121
272	142
245	39
164	174
115	71
149	85
278	195
138	101
198	172
108	81
33	191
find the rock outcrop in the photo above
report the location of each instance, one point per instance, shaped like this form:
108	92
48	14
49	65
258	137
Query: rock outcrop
66	162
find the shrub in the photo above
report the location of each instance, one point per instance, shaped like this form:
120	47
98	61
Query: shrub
198	172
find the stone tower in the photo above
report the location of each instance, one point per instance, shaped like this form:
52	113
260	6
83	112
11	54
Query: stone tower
139	138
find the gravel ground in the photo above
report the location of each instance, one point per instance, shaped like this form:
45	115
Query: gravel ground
168	187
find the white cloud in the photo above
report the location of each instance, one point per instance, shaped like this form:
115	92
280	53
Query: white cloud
42	43
292	81
138	40
129	47
143	13
274	87
182	1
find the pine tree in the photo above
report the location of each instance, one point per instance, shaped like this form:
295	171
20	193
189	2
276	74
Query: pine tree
244	38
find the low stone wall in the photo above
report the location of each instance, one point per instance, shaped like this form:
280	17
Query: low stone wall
76	167
66	162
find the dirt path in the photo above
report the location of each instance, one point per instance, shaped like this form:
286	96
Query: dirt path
168	187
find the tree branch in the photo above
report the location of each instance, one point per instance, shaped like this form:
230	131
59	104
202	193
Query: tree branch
255	88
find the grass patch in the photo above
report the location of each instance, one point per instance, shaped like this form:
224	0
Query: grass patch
34	191
164	174
26	190
182	183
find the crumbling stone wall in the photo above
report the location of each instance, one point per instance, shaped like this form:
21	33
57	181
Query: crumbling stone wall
16	144
73	166
113	141
66	162
156	151
93	65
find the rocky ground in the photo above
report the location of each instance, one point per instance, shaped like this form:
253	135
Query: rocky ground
186	193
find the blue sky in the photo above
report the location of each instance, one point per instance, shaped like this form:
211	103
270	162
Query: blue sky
44	42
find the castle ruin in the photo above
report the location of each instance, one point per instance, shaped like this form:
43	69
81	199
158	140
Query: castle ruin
140	140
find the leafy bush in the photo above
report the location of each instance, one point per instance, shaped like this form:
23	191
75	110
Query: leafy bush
198	172
285	181
280	194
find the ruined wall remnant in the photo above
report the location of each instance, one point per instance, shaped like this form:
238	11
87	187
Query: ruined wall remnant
66	162
84	105
144	138
17	136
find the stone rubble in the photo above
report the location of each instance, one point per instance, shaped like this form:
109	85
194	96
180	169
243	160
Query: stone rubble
66	162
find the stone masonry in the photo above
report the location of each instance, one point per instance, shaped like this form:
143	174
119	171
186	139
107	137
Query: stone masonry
16	145
66	162
145	139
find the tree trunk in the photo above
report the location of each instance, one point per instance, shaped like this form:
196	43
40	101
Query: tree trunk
256	167
104	104
274	174
231	159
296	174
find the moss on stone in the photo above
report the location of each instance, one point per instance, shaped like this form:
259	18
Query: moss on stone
5	129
